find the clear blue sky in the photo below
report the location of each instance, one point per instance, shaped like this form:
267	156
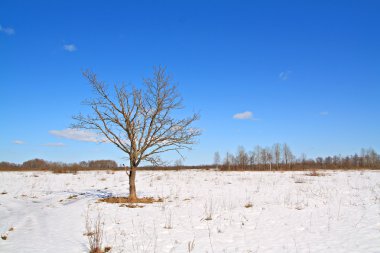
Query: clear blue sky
308	71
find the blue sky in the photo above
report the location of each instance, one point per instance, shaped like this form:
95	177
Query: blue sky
302	72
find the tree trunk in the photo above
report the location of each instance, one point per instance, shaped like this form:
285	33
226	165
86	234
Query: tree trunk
132	185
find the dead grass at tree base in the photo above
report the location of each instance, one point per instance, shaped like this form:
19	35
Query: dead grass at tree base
127	200
97	250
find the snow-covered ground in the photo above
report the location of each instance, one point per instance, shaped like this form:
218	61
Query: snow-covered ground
203	211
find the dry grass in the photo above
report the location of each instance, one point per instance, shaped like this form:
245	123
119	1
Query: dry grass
314	173
127	200
72	196
94	232
248	205
299	181
191	245
131	206
64	170
106	249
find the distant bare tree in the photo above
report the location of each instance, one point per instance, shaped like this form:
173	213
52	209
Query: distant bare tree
263	157
140	122
288	155
242	158
258	154
277	154
228	161
35	164
269	157
372	156
102	164
216	159
252	158
178	163
303	158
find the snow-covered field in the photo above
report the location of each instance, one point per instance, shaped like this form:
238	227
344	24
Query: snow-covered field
202	211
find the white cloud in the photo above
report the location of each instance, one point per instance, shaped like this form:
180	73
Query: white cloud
7	30
284	75
18	142
324	113
70	47
54	144
243	115
75	134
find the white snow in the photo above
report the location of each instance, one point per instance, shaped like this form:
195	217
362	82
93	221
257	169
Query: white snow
291	212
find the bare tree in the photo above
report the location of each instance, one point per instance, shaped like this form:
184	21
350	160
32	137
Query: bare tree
139	121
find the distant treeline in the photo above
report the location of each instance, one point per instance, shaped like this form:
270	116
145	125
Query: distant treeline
59	167
280	157
276	157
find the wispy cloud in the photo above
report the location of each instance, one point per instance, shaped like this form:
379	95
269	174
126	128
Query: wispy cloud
70	47
75	134
284	75
324	113
18	142
54	144
244	116
7	30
